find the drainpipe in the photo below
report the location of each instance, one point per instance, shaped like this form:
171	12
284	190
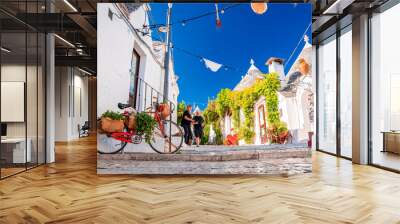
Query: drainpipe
167	53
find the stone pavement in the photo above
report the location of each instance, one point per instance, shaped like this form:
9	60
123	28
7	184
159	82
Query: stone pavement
264	159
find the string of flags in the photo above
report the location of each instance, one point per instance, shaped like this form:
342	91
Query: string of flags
218	20
209	64
213	66
257	7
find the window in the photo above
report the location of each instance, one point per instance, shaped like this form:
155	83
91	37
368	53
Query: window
385	89
327	96
346	93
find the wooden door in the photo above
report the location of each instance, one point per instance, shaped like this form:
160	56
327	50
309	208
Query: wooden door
262	124
134	79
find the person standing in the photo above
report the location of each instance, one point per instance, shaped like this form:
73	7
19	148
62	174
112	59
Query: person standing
198	126
186	125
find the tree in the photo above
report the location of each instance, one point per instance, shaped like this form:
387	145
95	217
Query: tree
223	102
181	109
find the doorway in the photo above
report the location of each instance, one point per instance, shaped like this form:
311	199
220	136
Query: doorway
134	79
263	124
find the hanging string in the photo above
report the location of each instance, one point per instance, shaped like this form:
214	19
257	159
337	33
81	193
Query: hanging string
298	44
152	20
201	58
301	82
185	21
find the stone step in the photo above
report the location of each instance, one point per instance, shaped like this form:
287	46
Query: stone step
284	167
215	155
269	160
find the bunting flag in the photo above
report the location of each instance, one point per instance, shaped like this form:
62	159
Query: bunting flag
217	14
213	66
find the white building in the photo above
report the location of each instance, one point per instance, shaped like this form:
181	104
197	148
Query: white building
130	64
296	98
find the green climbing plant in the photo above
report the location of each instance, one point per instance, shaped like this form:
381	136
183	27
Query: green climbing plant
223	102
180	110
235	102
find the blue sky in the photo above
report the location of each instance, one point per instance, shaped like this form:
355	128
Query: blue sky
243	35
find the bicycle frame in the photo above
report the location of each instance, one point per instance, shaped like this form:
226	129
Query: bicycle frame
127	136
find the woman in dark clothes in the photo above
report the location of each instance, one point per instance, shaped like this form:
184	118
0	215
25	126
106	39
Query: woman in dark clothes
198	127
186	124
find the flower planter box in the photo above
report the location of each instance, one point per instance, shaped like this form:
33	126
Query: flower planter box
109	126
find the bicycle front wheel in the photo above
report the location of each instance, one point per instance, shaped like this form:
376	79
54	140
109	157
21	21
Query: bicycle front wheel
167	141
109	145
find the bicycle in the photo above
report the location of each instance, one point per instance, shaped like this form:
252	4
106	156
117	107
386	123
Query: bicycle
167	137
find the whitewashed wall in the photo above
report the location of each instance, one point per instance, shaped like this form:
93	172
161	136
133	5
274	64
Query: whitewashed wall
116	42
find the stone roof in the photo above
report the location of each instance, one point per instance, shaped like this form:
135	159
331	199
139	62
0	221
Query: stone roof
293	79
252	74
305	54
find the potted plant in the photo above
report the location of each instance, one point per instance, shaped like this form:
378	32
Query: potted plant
112	122
304	67
145	125
130	121
164	109
283	134
278	132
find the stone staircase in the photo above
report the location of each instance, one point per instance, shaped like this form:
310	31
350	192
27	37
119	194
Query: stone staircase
273	159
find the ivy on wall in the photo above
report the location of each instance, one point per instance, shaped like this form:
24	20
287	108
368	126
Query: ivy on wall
232	102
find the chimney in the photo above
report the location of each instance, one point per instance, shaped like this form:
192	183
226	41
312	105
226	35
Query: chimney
275	65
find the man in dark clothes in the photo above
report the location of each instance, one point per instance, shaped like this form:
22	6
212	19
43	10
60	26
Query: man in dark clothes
186	124
198	126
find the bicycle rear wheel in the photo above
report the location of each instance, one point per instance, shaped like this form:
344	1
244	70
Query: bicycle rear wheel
109	145
168	142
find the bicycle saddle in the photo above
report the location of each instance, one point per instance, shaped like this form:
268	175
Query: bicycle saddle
123	105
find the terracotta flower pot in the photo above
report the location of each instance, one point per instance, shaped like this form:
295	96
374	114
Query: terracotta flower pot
164	109
283	136
130	122
108	125
304	67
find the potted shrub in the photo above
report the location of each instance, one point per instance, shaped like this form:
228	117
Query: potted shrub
112	122
145	125
278	132
282	132
273	138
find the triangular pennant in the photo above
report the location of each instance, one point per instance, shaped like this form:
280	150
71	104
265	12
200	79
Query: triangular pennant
213	66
